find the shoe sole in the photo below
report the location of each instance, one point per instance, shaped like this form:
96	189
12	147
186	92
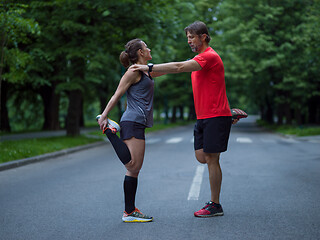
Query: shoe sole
114	124
134	219
211	215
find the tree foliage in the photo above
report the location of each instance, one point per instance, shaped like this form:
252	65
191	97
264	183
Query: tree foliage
266	46
15	31
60	58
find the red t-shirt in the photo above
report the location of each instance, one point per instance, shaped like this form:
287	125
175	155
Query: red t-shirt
208	84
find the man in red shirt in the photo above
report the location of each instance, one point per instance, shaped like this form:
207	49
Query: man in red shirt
212	129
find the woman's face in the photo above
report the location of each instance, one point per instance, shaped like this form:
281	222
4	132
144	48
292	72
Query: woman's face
146	52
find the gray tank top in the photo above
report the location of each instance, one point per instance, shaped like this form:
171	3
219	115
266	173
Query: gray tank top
140	102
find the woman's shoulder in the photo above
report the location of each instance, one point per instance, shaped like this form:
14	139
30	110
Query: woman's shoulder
133	76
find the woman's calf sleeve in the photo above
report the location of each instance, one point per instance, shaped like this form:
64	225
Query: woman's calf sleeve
119	146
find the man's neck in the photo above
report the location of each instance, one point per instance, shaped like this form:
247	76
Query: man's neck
203	48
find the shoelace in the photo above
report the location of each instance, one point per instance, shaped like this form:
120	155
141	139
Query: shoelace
209	204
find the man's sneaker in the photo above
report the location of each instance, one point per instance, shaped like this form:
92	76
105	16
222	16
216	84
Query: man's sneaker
210	210
136	216
112	125
238	113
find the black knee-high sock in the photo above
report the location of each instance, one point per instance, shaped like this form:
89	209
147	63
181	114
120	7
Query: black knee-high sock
130	188
119	146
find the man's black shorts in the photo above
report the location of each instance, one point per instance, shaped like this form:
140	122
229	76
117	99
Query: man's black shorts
212	134
132	129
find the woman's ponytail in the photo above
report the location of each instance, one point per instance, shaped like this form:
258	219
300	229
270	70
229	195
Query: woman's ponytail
130	55
124	59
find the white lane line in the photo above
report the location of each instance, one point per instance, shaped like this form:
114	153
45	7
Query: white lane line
174	140
196	184
268	140
243	140
289	140
153	140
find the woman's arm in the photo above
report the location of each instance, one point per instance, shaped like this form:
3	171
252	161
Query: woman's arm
126	81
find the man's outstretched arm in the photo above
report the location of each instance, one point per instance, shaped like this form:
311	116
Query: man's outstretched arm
172	67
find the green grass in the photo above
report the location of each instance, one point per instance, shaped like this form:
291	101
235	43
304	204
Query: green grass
13	150
298	131
25	148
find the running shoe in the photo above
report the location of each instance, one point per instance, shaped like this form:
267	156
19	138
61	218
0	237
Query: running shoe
210	210
136	216
112	125
238	113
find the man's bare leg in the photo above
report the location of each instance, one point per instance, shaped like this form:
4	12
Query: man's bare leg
215	173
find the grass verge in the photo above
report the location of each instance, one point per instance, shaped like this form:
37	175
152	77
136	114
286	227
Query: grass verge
25	148
298	131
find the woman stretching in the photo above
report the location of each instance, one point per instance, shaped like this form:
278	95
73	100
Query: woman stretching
130	147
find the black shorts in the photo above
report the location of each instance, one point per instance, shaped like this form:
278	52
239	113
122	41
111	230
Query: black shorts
212	134
132	129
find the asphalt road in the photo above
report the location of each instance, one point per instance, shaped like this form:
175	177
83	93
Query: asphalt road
270	190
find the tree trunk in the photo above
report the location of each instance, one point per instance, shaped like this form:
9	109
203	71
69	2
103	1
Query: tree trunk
102	101
269	112
77	72
74	112
174	114
4	121
3	45
51	108
298	115
81	113
288	115
280	113
181	112
314	110
192	113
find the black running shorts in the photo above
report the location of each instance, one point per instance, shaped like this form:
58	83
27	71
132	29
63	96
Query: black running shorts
212	134
132	129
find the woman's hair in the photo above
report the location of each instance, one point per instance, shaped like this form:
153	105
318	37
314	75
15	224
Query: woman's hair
130	56
198	28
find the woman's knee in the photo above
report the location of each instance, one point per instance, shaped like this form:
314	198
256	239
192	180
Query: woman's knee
132	174
133	166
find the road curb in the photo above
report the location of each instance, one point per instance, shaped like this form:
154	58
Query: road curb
312	139
43	157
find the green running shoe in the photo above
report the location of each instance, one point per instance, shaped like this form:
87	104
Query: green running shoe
136	216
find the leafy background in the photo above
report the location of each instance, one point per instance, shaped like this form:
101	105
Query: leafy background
60	58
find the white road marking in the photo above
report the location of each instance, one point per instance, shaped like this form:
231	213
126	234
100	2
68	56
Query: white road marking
196	184
153	140
289	140
264	140
243	140
174	140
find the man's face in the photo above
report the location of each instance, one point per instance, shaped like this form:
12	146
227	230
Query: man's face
194	42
